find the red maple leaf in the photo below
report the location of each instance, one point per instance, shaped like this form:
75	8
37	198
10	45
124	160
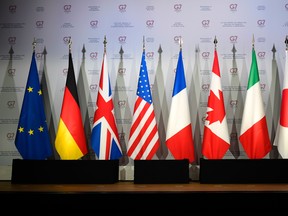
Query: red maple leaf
217	105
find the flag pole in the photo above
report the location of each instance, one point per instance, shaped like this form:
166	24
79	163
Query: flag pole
286	42
70	45
34	44
180	43
253	41
215	42
105	42
143	43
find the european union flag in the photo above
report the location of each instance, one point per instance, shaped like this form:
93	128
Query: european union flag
32	137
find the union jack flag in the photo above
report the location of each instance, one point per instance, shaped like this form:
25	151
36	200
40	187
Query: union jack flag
105	137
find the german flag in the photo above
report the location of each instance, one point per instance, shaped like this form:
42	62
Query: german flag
70	139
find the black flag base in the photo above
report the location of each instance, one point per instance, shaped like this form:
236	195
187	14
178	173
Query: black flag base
241	171
65	171
161	172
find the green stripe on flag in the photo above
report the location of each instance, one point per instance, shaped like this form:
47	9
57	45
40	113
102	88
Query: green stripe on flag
254	74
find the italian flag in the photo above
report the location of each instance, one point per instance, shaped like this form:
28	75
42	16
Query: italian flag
254	135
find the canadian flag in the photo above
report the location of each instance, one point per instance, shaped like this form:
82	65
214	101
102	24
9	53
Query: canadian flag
216	137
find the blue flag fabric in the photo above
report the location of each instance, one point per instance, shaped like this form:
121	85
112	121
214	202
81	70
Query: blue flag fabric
104	138
180	81
143	138
32	137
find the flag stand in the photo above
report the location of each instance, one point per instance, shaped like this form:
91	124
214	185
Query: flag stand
161	172
65	171
240	171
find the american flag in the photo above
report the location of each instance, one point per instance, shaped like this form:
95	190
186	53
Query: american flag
144	138
105	137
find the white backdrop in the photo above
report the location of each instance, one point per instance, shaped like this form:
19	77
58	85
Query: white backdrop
125	23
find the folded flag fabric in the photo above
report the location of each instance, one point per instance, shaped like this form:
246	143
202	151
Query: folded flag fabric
70	139
32	136
105	137
143	138
254	135
179	139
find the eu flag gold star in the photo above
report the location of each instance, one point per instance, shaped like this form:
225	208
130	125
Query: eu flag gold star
21	129
41	129
30	89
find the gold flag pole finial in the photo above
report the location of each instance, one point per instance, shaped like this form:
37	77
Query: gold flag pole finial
215	42
34	45
143	43
70	45
105	43
180	43
253	41
286	42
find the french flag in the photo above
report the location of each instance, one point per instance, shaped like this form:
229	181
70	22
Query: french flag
179	138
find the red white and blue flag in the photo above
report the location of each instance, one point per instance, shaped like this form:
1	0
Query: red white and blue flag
105	137
179	139
144	138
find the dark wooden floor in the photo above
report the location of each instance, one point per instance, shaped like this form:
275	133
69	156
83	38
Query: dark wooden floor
130	187
126	198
